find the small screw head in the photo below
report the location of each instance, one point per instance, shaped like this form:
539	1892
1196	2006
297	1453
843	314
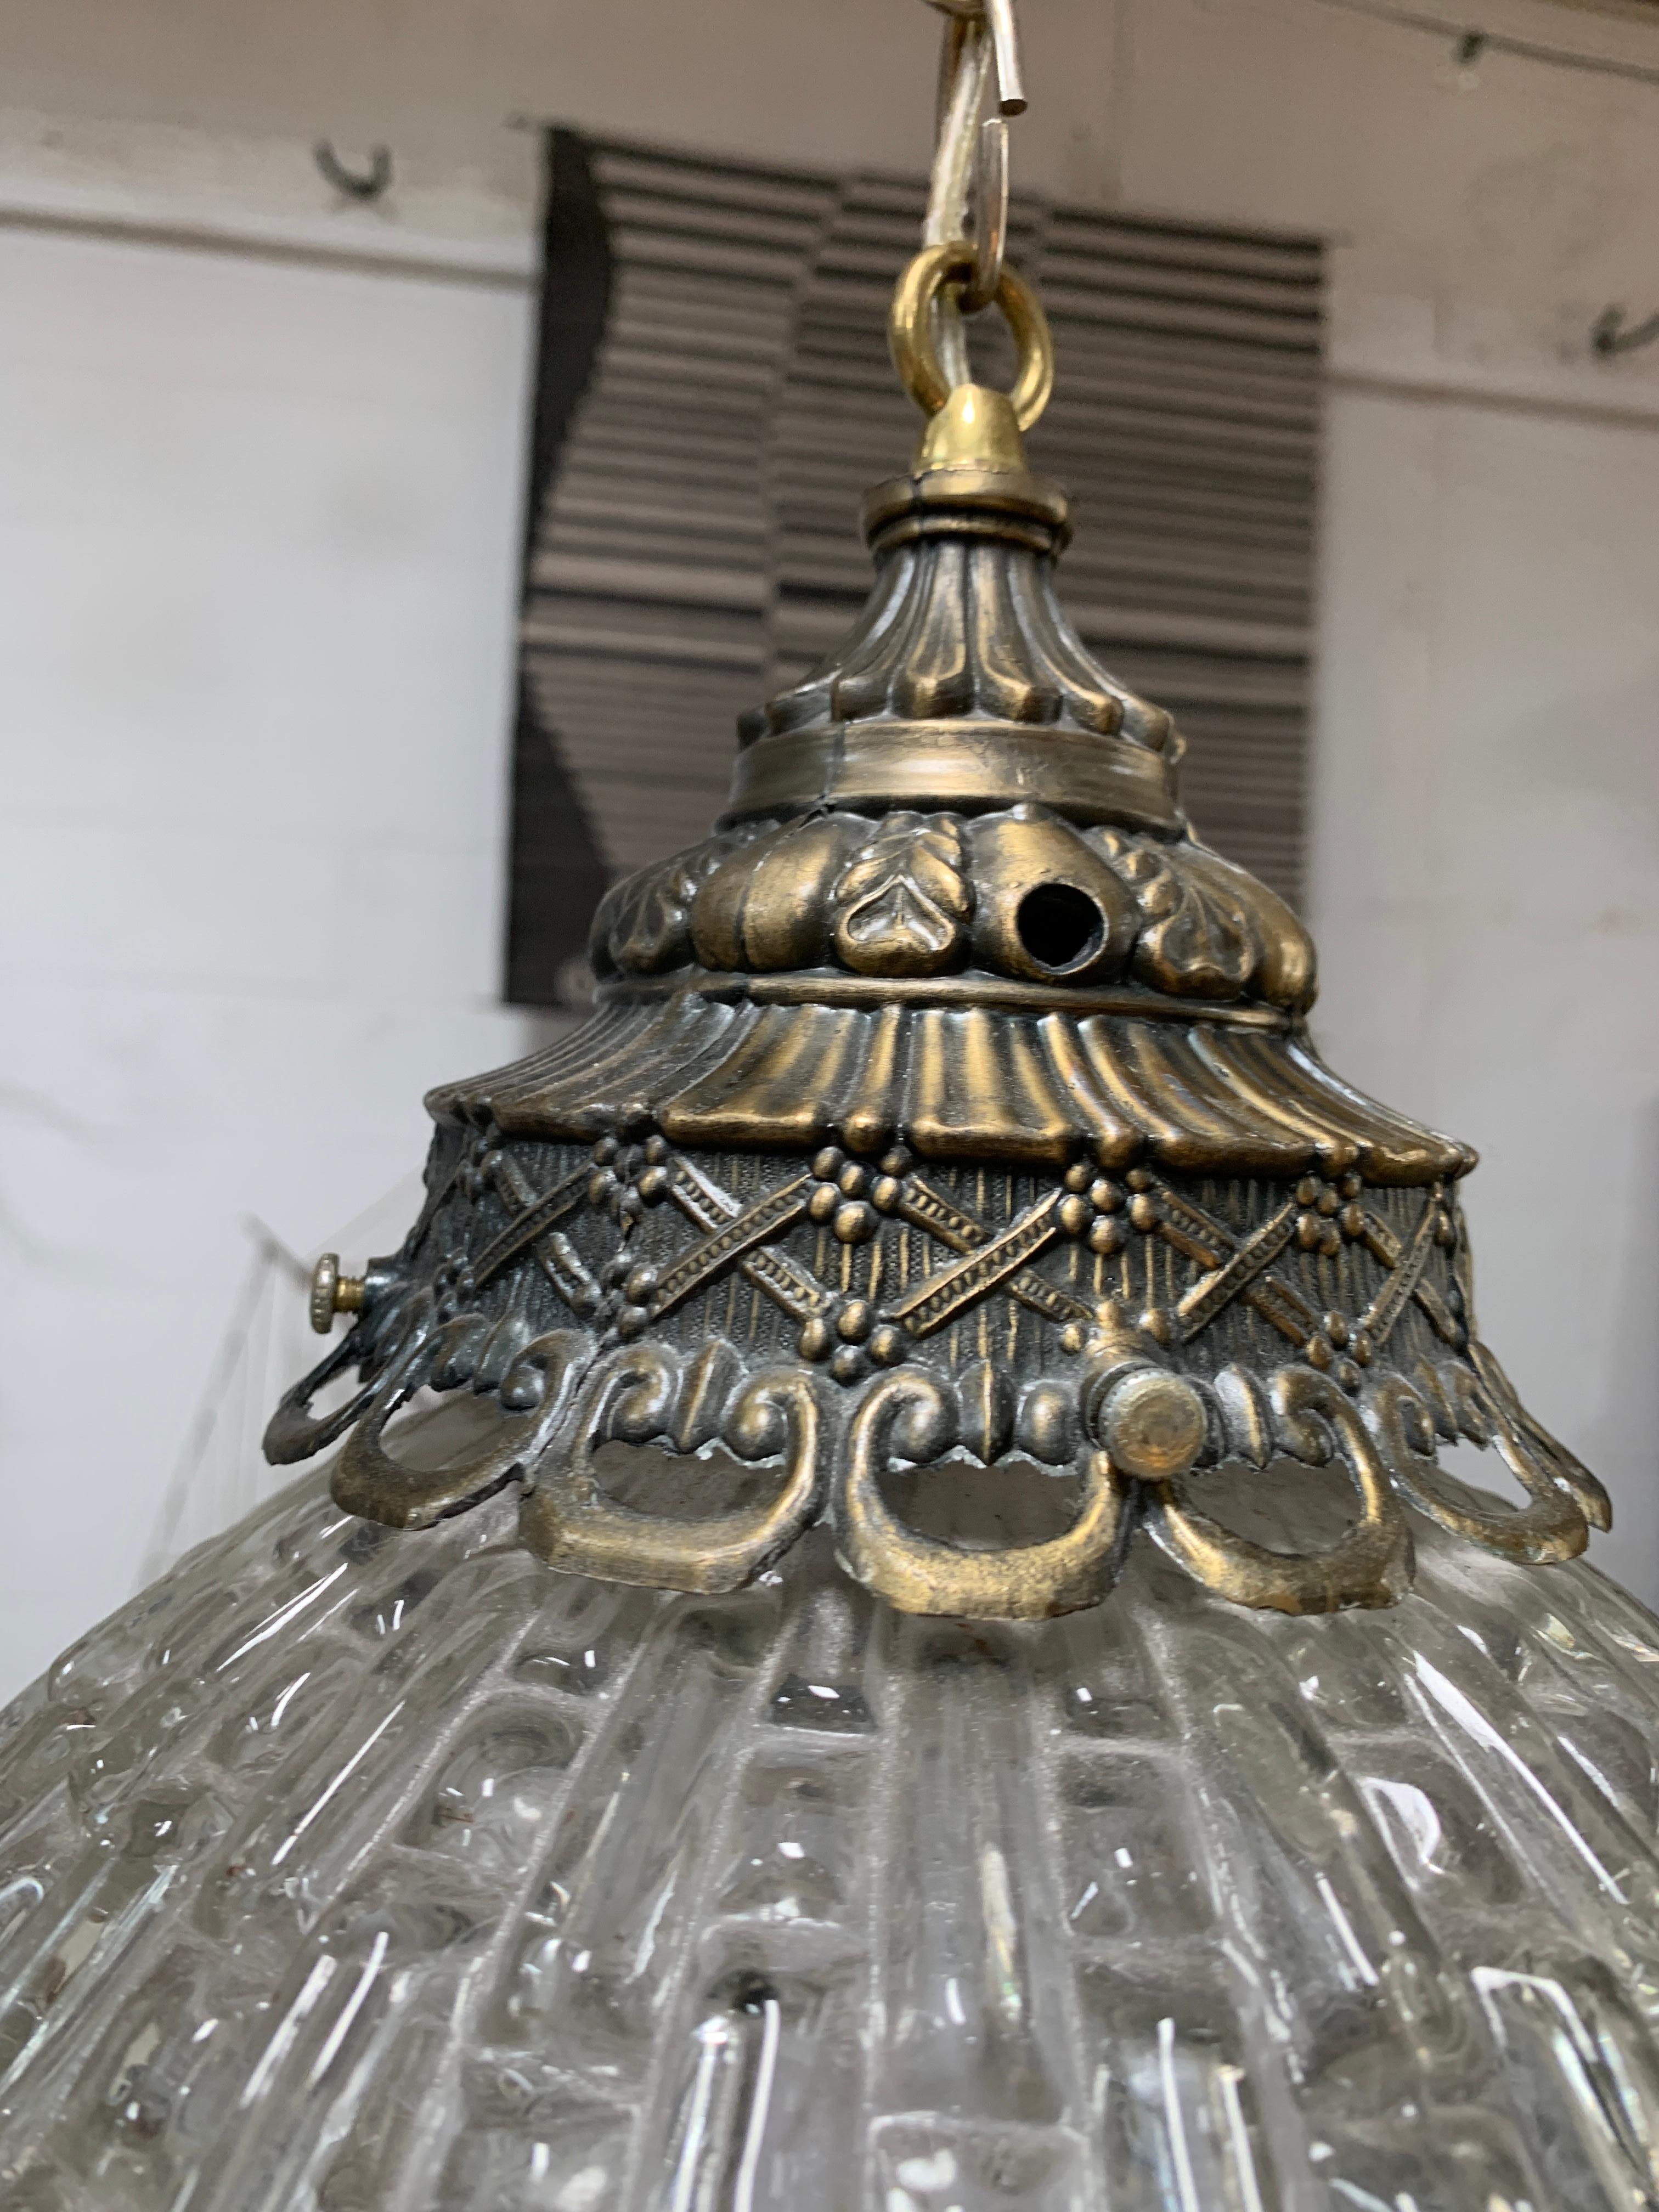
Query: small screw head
1154	1425
324	1278
332	1293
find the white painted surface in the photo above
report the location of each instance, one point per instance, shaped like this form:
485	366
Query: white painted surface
257	553
256	583
1486	843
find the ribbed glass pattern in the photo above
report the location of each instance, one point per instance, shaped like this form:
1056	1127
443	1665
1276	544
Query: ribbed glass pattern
366	1873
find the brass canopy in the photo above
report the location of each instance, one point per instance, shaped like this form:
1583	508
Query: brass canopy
949	1102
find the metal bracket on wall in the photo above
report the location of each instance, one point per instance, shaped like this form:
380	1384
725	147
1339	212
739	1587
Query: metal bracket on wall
370	183
1470	46
1610	336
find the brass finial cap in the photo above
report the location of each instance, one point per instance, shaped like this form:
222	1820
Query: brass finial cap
976	428
970	479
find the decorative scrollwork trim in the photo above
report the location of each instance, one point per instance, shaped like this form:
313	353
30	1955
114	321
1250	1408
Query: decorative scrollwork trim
567	1520
1570	1471
762	1319
920	1574
1551	1527
370	1481
292	1434
1371	1565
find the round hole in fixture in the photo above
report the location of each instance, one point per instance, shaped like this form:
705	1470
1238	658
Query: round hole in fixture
1059	926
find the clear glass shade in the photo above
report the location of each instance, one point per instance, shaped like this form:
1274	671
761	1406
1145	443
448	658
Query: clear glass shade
360	1872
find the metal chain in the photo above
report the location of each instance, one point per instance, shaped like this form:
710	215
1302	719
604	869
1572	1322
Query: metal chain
968	190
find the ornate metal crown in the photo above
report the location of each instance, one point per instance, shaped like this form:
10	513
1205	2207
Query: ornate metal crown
949	1103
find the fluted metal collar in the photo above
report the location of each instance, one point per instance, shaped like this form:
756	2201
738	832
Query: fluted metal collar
962	684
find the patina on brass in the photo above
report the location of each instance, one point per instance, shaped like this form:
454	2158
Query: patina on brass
951	1102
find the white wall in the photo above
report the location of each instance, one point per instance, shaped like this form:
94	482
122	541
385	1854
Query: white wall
257	548
256	583
1489	903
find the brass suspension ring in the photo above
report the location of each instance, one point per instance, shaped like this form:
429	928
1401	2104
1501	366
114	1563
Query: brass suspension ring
911	332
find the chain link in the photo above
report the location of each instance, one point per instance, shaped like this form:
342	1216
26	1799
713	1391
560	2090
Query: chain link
968	190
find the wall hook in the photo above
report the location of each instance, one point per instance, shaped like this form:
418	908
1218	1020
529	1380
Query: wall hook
1470	47
1609	335
357	184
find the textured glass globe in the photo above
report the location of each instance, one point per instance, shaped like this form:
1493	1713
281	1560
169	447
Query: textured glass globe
367	1872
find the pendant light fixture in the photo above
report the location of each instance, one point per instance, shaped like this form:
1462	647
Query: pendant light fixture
885	1627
